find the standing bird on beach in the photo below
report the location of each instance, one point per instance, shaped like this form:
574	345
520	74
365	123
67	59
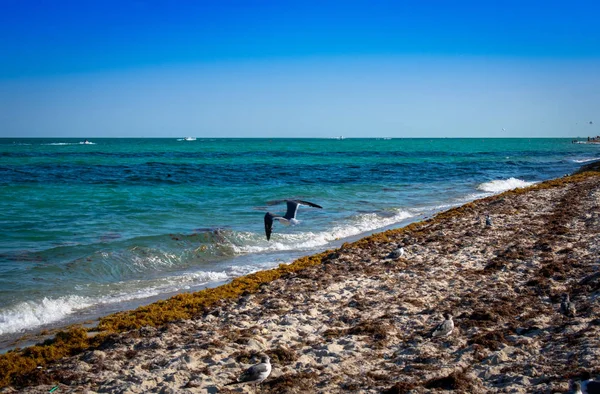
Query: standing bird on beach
488	221
443	329
396	253
567	308
256	374
288	218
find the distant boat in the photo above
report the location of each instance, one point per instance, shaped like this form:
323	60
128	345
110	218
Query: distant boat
189	139
86	142
341	137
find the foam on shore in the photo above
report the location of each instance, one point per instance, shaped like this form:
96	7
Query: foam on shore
502	185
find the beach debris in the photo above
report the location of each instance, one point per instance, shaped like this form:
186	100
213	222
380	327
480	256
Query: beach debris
397	253
288	218
567	308
256	374
443	329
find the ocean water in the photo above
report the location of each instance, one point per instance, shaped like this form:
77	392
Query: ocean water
89	229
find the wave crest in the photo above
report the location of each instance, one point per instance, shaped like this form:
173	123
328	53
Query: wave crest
502	185
33	314
585	160
281	241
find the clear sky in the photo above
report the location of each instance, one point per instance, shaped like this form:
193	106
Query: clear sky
299	69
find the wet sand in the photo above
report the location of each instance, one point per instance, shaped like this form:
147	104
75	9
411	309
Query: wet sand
360	320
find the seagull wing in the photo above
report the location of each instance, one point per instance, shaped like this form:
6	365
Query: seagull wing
253	373
269	224
310	204
443	329
292	207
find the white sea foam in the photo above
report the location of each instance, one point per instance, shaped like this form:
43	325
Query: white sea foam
69	143
33	314
310	240
502	185
194	279
235	271
585	160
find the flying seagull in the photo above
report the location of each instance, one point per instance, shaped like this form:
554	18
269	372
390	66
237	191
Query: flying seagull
444	328
256	374
288	218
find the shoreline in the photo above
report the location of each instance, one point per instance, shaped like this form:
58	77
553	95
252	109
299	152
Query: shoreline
43	333
223	328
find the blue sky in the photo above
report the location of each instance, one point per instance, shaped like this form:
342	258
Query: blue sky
299	69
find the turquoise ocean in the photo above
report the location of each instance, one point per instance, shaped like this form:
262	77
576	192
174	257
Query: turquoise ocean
87	229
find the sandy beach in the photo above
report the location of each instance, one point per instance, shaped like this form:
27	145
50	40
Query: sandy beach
359	321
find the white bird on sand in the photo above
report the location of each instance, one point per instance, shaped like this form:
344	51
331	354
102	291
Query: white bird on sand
288	218
567	308
256	374
443	329
397	253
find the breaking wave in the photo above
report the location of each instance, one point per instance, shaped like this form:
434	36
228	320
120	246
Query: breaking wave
502	185
166	258
280	241
32	314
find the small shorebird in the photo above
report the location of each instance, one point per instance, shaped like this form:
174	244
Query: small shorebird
397	253
567	308
288	218
488	221
443	329
256	374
